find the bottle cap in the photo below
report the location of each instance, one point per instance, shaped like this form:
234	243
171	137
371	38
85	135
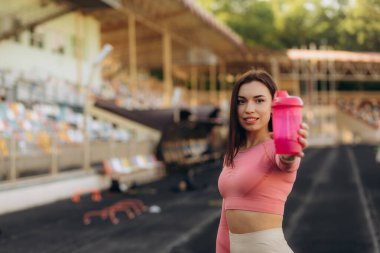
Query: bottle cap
282	98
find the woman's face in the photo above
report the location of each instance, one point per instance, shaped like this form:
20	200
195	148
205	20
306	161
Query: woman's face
254	106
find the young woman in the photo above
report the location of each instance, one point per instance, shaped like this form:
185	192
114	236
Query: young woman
255	181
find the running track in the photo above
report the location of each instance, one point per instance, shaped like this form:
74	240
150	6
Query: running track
334	207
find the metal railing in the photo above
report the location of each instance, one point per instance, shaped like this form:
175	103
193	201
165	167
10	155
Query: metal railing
20	158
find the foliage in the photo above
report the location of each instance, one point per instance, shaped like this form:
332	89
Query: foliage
340	24
361	28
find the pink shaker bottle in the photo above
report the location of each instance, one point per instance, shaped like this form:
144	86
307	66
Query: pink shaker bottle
286	119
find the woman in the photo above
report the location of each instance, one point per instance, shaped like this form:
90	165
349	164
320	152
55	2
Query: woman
255	181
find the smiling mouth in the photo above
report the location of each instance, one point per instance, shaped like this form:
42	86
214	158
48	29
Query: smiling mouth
250	120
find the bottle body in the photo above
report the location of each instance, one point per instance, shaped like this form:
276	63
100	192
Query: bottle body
286	119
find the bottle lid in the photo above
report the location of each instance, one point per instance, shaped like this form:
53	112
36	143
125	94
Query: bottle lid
282	98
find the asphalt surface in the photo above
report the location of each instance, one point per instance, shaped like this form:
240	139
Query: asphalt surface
334	207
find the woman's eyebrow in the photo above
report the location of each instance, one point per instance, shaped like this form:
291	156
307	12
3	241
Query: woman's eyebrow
257	96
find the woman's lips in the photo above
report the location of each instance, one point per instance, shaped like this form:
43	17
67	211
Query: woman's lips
250	120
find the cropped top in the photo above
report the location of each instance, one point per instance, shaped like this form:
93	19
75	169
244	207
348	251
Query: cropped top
259	182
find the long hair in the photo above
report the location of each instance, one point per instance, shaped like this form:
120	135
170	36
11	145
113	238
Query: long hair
237	134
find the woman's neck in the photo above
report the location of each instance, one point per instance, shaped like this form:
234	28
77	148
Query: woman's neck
256	138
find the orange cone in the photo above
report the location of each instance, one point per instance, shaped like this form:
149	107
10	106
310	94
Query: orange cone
75	198
96	196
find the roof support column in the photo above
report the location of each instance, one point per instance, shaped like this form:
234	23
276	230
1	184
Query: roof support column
275	70
296	88
331	69
194	86
313	83
213	91
167	61
323	79
222	81
79	45
332	93
296	77
132	52
202	94
305	76
13	169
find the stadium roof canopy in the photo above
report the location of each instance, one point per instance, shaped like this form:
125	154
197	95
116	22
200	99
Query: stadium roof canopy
302	63
197	38
329	55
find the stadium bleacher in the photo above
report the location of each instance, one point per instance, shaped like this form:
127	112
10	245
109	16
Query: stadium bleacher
155	157
367	110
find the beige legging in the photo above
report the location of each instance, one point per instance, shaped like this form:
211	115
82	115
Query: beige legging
266	241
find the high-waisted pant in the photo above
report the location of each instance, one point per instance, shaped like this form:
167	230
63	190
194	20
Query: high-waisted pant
265	241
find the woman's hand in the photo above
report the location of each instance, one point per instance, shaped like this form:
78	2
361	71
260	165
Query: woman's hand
303	135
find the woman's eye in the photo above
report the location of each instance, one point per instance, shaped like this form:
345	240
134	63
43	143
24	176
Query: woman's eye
240	102
259	101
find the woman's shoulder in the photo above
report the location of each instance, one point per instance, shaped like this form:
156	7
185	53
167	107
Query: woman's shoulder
269	144
258	147
264	149
269	150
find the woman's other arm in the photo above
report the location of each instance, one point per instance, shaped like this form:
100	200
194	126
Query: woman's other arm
223	238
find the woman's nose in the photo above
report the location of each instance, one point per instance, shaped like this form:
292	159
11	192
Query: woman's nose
250	107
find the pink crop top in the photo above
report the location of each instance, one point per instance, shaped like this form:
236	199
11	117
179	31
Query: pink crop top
258	182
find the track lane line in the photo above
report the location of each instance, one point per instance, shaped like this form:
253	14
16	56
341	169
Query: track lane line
363	200
296	216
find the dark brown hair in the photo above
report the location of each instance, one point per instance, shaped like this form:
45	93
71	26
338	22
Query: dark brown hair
236	134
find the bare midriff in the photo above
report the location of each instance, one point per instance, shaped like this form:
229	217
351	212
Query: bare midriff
241	221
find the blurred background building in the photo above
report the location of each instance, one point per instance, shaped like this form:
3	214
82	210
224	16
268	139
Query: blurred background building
102	92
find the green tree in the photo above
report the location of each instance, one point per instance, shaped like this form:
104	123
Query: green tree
360	30
339	24
303	22
254	20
